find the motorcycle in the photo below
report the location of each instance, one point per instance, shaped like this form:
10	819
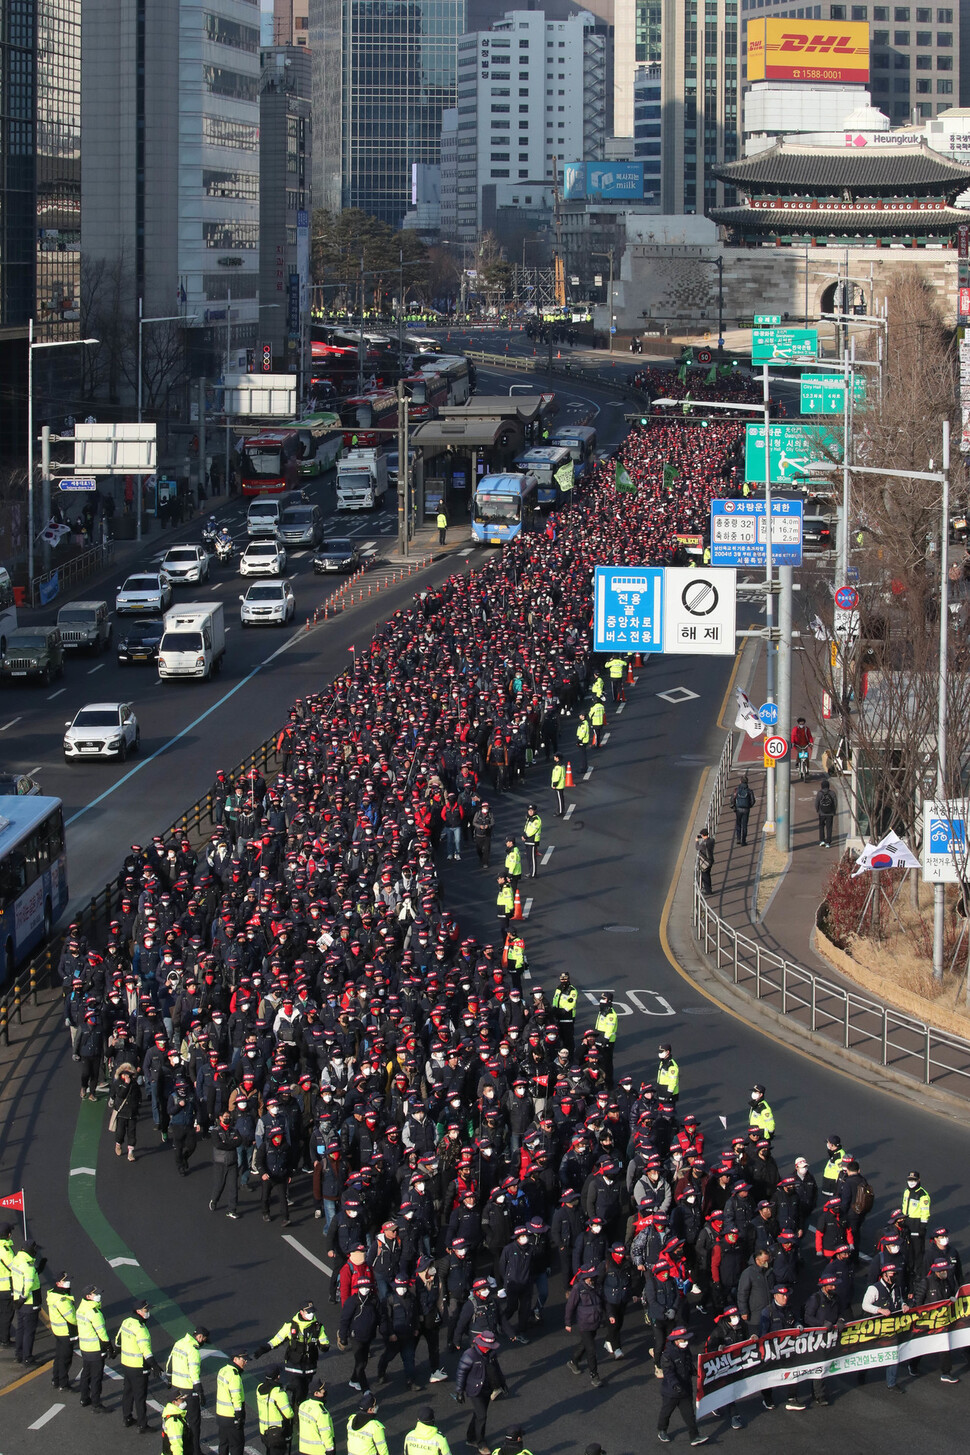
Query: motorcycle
209	535
225	548
803	764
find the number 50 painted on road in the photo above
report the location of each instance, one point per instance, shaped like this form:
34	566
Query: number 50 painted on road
647	1002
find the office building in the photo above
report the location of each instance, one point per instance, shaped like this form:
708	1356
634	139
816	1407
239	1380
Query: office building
291	22
531	92
285	205
383	72
647	111
170	160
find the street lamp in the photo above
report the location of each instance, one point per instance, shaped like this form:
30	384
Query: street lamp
260	308
166	318
608	254
32	344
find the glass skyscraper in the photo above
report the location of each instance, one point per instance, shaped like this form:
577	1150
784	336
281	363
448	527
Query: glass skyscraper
383	71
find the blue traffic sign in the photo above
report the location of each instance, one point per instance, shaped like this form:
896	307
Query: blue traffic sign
768	712
847	598
853	573
79	482
739	535
628	608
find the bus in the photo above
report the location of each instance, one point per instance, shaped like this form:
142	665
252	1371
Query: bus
334	365
580	441
369	420
8	609
270	462
33	876
320	439
457	372
427	391
543	461
503	505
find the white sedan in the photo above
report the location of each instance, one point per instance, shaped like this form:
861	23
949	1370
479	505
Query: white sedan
263	558
186	564
149	591
267	603
102	730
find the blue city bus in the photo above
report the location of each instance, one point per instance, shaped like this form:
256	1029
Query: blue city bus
580	441
502	505
543	461
33	876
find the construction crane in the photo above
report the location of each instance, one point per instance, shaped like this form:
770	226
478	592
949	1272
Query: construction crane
558	266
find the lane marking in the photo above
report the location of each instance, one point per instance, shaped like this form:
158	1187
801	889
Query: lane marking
587	775
305	1253
55	1409
620	708
82	1172
547	855
59	693
569	811
467	551
92	670
12	723
604	740
33	771
677	695
118	1262
527	908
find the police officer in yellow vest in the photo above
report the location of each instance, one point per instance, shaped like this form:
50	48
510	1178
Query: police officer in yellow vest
137	1361
584	736
365	1433
707	556
532	834
6	1285
668	1073
598	689
442	524
616	667
304	1337
62	1316
513	863
915	1206
564	1001
513	1444
315	1424
833	1165
505	898
25	1287
425	1438
231	1405
605	1028
515	956
185	1371
597	720
173	1424
93	1345
559	784
274	1412
760	1114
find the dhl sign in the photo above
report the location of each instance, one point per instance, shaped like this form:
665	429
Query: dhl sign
786	50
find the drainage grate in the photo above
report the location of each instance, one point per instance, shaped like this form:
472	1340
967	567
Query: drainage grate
701	1010
622	929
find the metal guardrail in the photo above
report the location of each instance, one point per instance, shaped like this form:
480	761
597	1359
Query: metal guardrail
74	570
817	1005
519	364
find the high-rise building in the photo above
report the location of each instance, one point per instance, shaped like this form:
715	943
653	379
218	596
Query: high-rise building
383	72
531	93
647	143
291	22
285	204
170	159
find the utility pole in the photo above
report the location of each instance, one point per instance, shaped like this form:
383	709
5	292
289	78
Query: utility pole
770	789
939	890
45	486
403	472
225	384
783	784
360	335
202	445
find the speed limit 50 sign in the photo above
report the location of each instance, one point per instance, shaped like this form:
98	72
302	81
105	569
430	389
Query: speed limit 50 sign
775	748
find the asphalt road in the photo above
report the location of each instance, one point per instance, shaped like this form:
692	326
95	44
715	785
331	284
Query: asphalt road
596	910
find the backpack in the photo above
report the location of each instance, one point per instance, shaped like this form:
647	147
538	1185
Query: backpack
826	801
743	798
863	1198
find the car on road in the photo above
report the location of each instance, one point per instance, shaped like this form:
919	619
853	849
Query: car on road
146	591
20	784
817	524
267	603
102	730
184	565
263	558
140	639
33	651
340	554
85	624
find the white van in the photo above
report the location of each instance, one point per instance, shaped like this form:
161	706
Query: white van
266	511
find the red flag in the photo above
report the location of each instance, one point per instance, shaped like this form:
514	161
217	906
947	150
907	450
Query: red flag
13	1200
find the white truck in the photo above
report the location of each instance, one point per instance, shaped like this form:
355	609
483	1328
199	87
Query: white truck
194	641
361	480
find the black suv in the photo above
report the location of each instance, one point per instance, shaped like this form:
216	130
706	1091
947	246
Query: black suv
139	640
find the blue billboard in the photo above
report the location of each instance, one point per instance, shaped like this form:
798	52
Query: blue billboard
603	181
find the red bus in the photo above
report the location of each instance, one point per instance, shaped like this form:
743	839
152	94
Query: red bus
270	462
369	420
336	364
428	391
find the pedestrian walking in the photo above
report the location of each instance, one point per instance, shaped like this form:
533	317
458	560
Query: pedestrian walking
704	845
826	805
742	801
482	825
226	1141
584	1313
677	1389
479	1380
124	1101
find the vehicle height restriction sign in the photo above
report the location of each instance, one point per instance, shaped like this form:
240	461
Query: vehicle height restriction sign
739	532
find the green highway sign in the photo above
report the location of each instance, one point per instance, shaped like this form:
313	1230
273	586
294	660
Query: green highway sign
766	320
783	345
791	447
825	394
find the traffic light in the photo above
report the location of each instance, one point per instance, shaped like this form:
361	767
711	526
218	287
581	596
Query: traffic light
250	361
267	358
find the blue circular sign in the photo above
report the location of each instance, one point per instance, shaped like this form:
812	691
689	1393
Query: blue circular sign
847	598
768	712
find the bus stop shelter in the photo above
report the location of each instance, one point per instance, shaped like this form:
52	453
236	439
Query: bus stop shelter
457	450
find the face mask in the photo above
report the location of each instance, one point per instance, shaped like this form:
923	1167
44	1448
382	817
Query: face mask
942	1242
911	1184
691	1201
755	1097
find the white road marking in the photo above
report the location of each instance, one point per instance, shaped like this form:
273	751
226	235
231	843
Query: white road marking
547	855
467	551
677	695
12	723
620	708
34	770
92	670
310	1257
605	739
118	1262
55	1409
569	811
527	908
82	1172
587	775
60	691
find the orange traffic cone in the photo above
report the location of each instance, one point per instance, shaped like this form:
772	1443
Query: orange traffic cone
638	660
569	775
505	949
629	674
517	911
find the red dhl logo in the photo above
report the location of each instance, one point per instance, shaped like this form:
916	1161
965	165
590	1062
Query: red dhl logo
840	45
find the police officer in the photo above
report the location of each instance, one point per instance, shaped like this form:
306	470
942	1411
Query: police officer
668	1074
442	524
137	1361
315	1433
62	1316
616	667
513	1444
584	736
6	1285
605	1028
564	1001
559	784
597	721
915	1206
185	1371
231	1405
304	1337
25	1288
426	1438
93	1345
505	899
365	1433
273	1412
173	1424
532	835
513	863
760	1114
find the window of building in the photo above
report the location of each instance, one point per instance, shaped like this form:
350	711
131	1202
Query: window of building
218	131
944	38
523	45
901	37
900	61
500	171
944	17
901	85
230	32
498	156
880	84
944	88
924	17
222	82
924	63
860	12
500	126
880	63
880	12
524	91
924	87
836	12
924	37
901	13
498	91
523	172
502	110
523	75
523	156
944	63
880	37
231	236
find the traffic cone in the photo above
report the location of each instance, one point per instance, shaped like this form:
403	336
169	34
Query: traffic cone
569	775
629	674
505	949
517	911
638	660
